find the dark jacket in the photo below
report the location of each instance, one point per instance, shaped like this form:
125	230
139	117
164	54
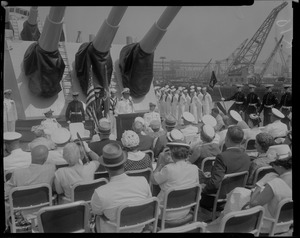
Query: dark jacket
232	160
146	142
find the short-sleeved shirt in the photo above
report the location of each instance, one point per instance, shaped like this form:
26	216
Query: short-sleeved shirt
176	175
17	159
67	176
121	189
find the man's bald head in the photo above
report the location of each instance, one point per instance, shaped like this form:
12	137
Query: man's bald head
39	154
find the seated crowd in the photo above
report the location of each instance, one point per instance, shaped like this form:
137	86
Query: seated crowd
62	161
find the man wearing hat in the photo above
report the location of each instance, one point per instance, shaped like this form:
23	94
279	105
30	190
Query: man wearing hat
188	130
10	114
206	102
174	102
220	123
188	101
104	133
17	158
252	103
169	96
181	105
125	105
99	102
194	104
286	104
239	99
121	189
75	110
157	131
269	101
151	115
199	104
49	123
276	128
112	106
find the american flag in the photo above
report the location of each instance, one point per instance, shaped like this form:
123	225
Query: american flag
91	100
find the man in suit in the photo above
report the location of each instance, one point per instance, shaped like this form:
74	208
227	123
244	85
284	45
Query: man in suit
233	160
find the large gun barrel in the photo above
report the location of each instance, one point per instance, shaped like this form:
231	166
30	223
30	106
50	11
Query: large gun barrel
30	31
33	14
50	36
108	30
151	40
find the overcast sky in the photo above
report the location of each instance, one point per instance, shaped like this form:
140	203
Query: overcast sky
197	33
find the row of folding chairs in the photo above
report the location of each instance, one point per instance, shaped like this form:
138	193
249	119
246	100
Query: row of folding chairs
57	218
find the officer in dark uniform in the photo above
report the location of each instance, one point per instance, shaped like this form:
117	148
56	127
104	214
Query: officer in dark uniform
240	100
75	110
252	103
99	94
269	101
286	104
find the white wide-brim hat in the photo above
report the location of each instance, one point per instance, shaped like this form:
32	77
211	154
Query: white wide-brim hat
235	115
209	120
277	113
60	135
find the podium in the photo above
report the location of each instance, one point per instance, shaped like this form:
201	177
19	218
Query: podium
125	121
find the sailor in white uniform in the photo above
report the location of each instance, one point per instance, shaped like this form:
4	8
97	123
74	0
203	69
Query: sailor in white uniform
206	102
151	115
9	112
125	105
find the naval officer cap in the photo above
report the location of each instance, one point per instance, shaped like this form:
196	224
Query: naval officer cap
11	136
235	115
126	90
239	85
252	86
75	93
287	86
48	112
269	85
209	120
7	91
209	131
188	116
97	90
151	104
277	113
113	90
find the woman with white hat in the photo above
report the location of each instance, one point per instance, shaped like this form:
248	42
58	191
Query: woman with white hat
136	159
276	128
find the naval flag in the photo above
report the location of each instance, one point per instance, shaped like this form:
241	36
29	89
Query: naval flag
213	80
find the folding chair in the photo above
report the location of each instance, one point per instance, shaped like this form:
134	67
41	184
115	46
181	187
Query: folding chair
245	221
283	216
28	199
259	174
178	200
250	145
135	215
66	218
141	172
103	174
228	183
207	163
195	227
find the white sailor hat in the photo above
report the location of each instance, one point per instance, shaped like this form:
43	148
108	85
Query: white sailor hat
167	86
204	88
239	85
192	90
11	136
175	135
162	89
287	86
253	116
75	93
185	90
192	86
60	135
209	120
277	113
97	90
198	88
156	87
113	90
126	90
173	90
235	115
209	131
188	116
252	86
172	86
7	91
269	85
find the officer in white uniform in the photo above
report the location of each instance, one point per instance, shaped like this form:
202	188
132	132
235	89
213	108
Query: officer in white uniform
125	105
199	104
174	102
206	102
9	112
188	101
151	115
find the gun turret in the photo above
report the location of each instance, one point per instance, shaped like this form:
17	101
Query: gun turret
43	56
30	30
97	54
136	60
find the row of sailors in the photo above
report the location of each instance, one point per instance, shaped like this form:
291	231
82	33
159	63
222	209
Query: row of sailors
177	101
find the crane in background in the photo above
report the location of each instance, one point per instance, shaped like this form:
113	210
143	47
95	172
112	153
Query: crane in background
249	54
203	70
284	68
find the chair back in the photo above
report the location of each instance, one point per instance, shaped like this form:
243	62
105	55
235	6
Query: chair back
250	145
284	215
66	218
245	221
29	198
195	227
261	172
207	163
83	191
103	174
228	183
141	172
177	199
137	214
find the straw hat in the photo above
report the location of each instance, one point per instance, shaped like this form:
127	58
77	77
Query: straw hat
170	121
112	155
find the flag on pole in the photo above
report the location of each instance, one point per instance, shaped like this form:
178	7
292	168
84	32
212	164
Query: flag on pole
91	100
213	80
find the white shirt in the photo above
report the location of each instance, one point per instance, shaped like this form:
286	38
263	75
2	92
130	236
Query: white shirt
276	129
124	106
149	116
17	159
121	189
176	175
50	124
189	132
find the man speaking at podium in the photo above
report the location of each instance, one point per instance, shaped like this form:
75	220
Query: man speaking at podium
125	105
